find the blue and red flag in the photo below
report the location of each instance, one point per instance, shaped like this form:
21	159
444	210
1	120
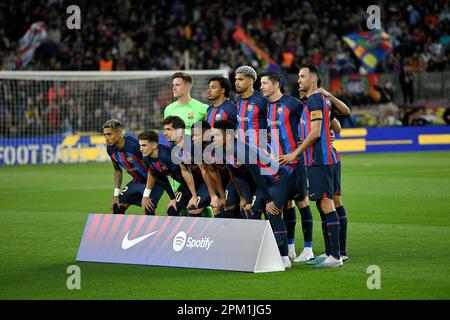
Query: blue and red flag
371	47
250	49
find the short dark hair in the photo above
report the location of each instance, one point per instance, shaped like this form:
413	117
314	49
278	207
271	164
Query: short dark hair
149	135
224	84
224	125
203	123
312	69
175	121
183	75
273	76
113	124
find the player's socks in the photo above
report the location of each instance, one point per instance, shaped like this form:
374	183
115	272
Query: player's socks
290	221
172	212
149	213
333	233
280	233
326	239
117	209
307	226
342	230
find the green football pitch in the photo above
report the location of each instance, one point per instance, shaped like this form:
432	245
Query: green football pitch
398	208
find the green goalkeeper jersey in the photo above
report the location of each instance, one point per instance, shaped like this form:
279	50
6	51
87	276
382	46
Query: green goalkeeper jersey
190	112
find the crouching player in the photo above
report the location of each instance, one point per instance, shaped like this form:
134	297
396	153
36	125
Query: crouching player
124	153
274	182
157	157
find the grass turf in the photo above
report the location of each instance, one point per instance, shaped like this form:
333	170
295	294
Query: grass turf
398	206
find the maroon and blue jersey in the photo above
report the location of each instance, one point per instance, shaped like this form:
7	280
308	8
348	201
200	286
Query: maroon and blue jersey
283	119
251	117
333	115
130	159
163	166
318	108
226	111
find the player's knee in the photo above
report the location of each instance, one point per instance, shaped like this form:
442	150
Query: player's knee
337	201
303	203
327	205
290	204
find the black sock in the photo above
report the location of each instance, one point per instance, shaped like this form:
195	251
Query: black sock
307	225
333	233
326	239
342	229
280	233
290	220
118	209
172	212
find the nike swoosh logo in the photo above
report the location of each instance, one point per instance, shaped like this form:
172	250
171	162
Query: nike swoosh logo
127	244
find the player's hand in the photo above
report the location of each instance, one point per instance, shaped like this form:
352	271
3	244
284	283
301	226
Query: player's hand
172	203
332	136
147	204
192	203
248	208
215	201
242	203
285	159
116	200
322	91
271	208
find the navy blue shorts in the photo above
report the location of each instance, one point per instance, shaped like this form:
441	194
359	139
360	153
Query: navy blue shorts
231	195
203	196
133	191
321	182
280	192
337	179
301	183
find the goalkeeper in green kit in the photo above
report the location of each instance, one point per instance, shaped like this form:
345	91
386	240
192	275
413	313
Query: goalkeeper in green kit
188	109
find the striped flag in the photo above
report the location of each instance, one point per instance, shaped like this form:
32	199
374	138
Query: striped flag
370	47
30	41
250	49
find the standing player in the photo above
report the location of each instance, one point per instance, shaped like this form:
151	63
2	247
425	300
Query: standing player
252	108
222	109
187	108
342	109
319	156
124	153
283	118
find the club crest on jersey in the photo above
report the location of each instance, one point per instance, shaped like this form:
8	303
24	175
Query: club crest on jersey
279	110
129	159
250	108
190	115
218	116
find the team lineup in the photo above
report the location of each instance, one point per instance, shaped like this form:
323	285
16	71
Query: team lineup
264	155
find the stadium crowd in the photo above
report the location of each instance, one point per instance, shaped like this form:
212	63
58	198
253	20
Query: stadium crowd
154	36
142	35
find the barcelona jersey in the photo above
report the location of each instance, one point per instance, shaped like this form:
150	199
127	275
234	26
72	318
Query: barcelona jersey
130	159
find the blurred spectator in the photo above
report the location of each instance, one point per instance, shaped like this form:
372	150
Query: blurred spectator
388	111
406	79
